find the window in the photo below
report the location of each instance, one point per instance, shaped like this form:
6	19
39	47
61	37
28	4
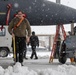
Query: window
2	31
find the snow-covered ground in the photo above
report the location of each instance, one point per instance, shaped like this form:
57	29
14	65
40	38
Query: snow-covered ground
39	67
40	54
23	70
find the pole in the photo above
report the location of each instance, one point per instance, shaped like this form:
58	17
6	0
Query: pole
58	1
72	27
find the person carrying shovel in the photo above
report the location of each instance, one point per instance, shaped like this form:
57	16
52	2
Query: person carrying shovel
18	28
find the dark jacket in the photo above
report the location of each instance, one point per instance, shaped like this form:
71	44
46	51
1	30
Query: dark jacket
34	41
22	29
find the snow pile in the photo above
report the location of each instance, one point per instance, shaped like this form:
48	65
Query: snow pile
17	70
61	70
22	70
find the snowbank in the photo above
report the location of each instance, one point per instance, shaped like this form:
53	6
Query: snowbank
17	69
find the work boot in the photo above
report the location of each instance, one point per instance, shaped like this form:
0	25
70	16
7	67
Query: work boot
30	57
36	57
22	64
26	58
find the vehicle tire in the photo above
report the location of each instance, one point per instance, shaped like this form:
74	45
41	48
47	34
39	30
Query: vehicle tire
62	53
3	52
62	59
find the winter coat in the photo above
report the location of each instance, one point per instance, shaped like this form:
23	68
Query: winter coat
34	41
22	29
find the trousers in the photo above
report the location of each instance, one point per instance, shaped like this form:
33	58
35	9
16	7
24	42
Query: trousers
33	51
20	46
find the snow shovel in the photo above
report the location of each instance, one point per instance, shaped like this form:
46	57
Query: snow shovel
14	49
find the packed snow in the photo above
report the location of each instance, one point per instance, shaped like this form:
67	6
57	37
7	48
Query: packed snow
17	69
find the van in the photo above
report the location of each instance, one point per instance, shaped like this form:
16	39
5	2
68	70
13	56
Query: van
5	41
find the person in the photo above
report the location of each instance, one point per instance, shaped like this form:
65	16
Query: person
18	28
34	41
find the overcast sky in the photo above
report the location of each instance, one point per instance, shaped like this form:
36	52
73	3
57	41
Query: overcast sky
51	29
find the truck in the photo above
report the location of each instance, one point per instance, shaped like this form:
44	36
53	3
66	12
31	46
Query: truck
5	41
